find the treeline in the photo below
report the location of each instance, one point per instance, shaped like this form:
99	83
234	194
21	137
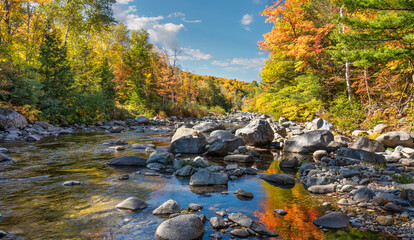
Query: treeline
350	61
69	61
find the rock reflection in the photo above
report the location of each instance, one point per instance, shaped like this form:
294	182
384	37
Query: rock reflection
302	210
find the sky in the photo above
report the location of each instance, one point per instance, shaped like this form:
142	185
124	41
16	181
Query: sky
216	37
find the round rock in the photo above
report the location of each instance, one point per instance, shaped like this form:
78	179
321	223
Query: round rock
334	220
183	227
132	204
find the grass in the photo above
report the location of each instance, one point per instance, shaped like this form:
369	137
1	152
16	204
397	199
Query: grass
403	178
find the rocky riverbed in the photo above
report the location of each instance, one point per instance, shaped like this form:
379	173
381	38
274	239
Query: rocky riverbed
242	175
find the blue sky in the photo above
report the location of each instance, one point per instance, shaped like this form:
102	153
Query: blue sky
216	37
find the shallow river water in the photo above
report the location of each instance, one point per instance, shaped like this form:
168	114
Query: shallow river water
35	205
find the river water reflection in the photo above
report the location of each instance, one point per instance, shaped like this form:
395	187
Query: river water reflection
35	205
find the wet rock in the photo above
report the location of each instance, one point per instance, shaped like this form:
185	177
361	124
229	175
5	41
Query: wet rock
279	178
359	155
231	167
311	181
390	207
333	146
243	194
322	189
169	207
4	158
240	233
218	149
132	204
239	158
215	236
164	158
155	166
183	227
10	119
116	129
393	139
188	145
334	220
72	183
309	142
33	137
142	120
221	213
363	195
257	133
194	207
124	177
129	161
204	177
186	171
208	127
217	223
367	144
280	212
203	218
385	220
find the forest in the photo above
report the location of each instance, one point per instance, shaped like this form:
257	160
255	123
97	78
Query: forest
344	60
69	61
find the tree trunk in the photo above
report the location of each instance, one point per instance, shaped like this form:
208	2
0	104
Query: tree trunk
347	73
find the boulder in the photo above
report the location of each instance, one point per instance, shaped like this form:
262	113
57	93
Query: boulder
280	212
164	158
292	162
201	162
367	144
183	227
189	145
194	207
360	155
183	132
342	139
363	195
132	204
218	149
186	171
248	222
309	142
222	135
334	220
393	139
116	129
217	223
142	120
257	133
169	207
10	119
385	220
279	179
240	233
243	194
204	177
129	161
321	124
378	129
207	127
239	158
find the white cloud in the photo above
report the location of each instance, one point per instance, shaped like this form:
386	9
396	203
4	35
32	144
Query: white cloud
240	63
182	15
164	34
246	20
194	54
123	1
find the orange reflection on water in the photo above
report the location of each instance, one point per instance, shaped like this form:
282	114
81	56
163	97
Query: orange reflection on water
301	208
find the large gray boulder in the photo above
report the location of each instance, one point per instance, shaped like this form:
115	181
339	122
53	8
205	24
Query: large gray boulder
222	135
334	220
257	133
218	149
360	155
321	124
367	144
183	227
183	132
309	142
208	127
186	171
393	139
10	119
142	120
164	158
189	145
363	195
204	178
129	161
